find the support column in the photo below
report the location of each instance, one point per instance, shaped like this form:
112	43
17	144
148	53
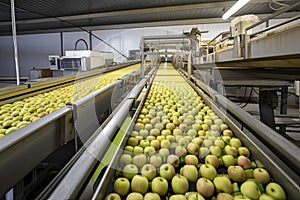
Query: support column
283	106
14	31
142	59
267	103
61	44
91	40
189	67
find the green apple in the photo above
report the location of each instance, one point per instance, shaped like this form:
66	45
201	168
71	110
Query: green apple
160	186
155	144
222	184
197	140
171	138
164	152
194	196
205	187
177	132
139	184
174	160
180	151
244	162
275	190
265	197
207	143
167	171
203	152
139	160
249	173
224	196
133	141
236	173
180	184
135	196
155	132
151	196
138	150
149	151
227	132
170	126
213	160
191	160
220	143
129	171
128	149
139	126
177	197
144	143
113	196
261	175
228	160
208	171
250	189
125	159
215	150
244	151
122	186
241	197
193	148
235	142
156	160
165	143
148	171
183	142
190	172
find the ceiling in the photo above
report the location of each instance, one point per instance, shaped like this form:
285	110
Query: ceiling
36	16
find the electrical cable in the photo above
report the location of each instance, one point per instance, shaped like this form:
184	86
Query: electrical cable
277	3
72	24
248	100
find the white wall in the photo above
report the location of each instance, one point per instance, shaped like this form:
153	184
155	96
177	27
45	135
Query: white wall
35	49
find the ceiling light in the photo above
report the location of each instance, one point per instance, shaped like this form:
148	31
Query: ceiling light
238	5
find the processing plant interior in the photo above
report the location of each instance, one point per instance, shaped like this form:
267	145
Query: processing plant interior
152	100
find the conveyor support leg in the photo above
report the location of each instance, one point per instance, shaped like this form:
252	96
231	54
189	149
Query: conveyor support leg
267	104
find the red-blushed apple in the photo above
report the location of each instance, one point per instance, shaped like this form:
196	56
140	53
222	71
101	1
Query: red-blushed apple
139	184
236	173
250	189
224	127
113	196
224	196
160	186
148	171
174	160
190	172
180	151
122	186
193	148
222	184
228	160
135	196
129	171
244	151
227	132
177	197
167	171
261	175
205	187
191	160
244	162
125	159
229	150
275	190
235	142
139	160
180	184
155	160
213	160
151	196
208	171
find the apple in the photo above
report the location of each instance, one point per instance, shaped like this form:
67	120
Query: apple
236	173
170	126
149	151
222	184
228	160
151	196
229	150
208	171
139	184
207	143
224	196
183	142
213	160
275	190
150	138
155	160
160	186
167	171
193	148
138	150
174	160
160	138
266	197
180	151
194	196
154	132
177	132
159	126
244	151
180	184
128	149
241	197
133	141
250	189
249	173
125	159
164	152
122	186
235	142
113	196
227	132
205	187
220	143
244	162
197	140
191	160
215	150
129	171
171	138
155	144
190	172
165	143
139	160
203	151
165	132
135	196
177	197
148	171
144	143
261	175
148	127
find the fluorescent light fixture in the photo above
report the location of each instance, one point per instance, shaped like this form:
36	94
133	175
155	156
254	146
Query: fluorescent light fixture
238	5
